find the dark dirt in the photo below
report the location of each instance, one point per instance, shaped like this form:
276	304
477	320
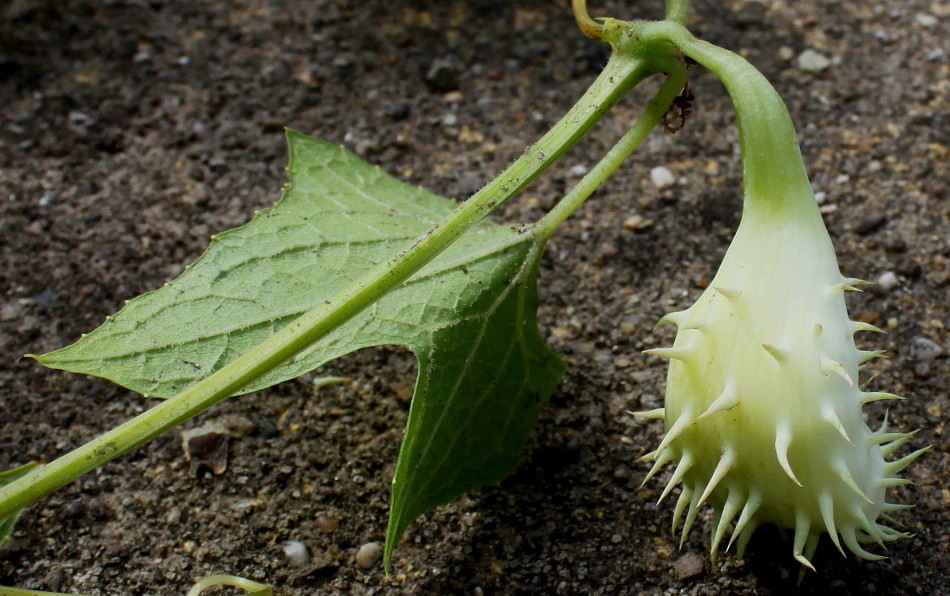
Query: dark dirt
131	131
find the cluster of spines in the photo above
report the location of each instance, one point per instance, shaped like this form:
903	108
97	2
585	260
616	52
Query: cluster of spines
746	505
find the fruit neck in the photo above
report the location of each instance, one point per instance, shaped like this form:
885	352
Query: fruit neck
773	172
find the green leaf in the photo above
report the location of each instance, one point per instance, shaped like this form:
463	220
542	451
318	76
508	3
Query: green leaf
7	523
482	380
468	316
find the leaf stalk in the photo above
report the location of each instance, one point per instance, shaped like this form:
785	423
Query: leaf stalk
626	145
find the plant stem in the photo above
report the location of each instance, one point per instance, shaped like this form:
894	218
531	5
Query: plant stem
5	591
651	116
627	66
773	172
676	11
585	23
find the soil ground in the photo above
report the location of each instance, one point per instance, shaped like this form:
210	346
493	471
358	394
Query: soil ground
130	131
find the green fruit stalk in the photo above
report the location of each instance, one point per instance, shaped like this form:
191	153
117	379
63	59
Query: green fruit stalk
763	410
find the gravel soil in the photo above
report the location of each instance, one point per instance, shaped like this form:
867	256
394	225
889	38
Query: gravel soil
130	131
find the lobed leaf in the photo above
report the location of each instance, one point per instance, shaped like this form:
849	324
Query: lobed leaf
468	316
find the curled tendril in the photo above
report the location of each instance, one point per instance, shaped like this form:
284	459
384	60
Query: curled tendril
588	26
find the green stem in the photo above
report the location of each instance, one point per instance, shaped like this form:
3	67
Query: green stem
5	591
651	116
676	11
626	67
773	172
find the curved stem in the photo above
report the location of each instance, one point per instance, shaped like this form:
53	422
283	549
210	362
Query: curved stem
587	25
624	69
773	172
650	117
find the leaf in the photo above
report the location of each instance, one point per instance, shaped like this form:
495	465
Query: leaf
468	316
482	380
7	523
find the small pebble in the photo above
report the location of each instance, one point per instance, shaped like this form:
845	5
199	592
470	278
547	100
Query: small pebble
296	552
662	177
897	245
871	223
925	20
173	516
453	97
689	565
637	222
46	298
398	110
578	170
369	554
812	61
326	523
887	280
933	55
443	75
924	350
909	268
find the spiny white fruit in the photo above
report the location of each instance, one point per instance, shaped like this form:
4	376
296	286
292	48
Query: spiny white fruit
763	409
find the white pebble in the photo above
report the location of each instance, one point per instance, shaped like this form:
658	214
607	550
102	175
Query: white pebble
296	552
924	349
173	516
887	280
369	554
579	170
812	61
926	20
933	54
662	177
